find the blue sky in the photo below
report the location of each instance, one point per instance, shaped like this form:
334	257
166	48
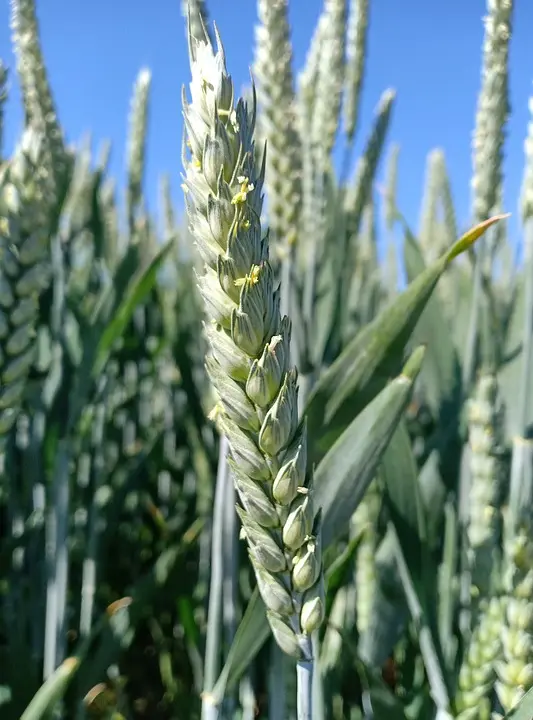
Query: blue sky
428	51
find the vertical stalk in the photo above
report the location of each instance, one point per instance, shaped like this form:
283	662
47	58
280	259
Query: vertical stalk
212	648
527	343
88	586
57	561
230	559
304	677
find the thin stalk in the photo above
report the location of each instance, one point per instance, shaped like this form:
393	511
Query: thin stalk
527	343
472	336
304	678
230	559
57	551
429	652
88	587
32	469
247	699
212	648
319	707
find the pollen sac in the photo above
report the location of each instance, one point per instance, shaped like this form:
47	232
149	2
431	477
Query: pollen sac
263	548
208	247
34	280
10	395
275	596
196	189
232	397
229	277
291	474
266	373
244	451
313	608
211	85
218	155
254	499
4	325
221	214
19	366
299	522
285	636
232	360
196	128
34	249
247	322
6	293
245	249
219	305
307	565
281	420
20	339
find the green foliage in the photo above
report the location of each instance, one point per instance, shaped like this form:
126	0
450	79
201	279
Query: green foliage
124	591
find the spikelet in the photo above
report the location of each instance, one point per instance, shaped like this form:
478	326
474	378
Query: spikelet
427	232
330	79
308	77
365	522
515	671
526	385
391	187
137	141
485	428
360	191
3	98
477	674
356	42
277	119
37	96
493	109
195	12
24	274
250	346
526	198
449	218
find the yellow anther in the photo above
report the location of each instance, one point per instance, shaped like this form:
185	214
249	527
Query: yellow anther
254	275
216	412
251	279
246	187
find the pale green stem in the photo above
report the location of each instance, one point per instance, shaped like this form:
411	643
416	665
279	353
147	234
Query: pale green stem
230	553
212	649
304	677
469	366
57	551
247	699
89	570
527	347
436	681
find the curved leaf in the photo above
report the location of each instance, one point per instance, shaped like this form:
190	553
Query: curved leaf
346	471
374	355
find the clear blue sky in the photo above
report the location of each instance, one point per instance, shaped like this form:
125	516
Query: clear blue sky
428	51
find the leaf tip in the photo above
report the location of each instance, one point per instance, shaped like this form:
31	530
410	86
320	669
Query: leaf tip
469	238
412	366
